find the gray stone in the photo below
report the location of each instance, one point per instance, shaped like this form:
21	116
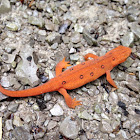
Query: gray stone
69	128
127	63
39	135
128	39
113	98
13	107
135	28
8	58
85	115
131	17
48	97
6	68
74	57
9	125
54	46
78	28
83	137
133	10
20	133
63	8
75	37
36	21
104	116
121	76
2	96
105	126
4	6
65	39
133	85
124	134
102	18
137	131
126	124
96	117
54	37
49	26
89	39
132	13
6	81
97	108
63	28
51	124
42	32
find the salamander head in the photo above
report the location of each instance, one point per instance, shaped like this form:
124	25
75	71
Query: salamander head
119	54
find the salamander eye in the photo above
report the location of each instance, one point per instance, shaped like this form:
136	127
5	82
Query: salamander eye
113	58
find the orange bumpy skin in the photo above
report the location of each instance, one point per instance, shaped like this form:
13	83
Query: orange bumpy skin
77	76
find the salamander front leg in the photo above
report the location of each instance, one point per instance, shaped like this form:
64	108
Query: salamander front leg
71	103
109	79
87	56
61	65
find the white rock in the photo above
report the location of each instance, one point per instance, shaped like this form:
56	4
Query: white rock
42	32
57	110
113	98
17	121
104	116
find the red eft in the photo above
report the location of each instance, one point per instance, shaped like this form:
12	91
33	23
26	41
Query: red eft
77	76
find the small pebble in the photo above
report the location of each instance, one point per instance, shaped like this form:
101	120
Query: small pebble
56	110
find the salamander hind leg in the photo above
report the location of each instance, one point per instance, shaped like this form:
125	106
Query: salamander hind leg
61	65
71	103
109	79
90	55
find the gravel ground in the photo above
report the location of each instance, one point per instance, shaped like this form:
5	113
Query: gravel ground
34	39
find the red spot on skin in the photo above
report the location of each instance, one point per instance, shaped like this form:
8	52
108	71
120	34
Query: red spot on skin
113	58
81	76
64	82
102	66
91	73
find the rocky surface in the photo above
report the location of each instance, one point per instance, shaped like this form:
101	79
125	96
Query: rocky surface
34	39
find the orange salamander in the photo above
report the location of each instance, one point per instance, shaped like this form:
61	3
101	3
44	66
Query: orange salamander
77	76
